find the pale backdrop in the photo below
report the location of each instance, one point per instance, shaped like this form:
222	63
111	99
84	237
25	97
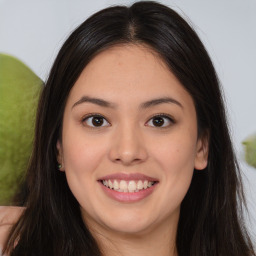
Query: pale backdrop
33	30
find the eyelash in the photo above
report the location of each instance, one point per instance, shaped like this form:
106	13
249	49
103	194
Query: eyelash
92	115
161	115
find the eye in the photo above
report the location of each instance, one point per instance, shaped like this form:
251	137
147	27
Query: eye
161	120
95	121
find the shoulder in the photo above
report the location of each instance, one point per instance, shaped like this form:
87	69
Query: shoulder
9	215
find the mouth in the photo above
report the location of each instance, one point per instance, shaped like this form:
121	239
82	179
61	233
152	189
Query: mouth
128	186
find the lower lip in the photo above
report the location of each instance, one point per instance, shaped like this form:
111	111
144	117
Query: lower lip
128	197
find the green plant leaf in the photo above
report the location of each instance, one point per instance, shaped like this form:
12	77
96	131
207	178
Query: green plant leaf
250	150
19	93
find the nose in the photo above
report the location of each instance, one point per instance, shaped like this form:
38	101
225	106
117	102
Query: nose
128	146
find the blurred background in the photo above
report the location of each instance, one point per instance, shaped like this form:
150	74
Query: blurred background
34	30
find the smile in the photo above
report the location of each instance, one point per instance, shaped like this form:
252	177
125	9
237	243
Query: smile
128	186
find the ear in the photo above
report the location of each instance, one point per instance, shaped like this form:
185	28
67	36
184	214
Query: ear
201	159
60	156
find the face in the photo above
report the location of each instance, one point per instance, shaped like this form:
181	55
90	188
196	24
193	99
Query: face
129	142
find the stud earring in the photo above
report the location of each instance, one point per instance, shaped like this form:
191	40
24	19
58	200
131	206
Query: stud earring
59	166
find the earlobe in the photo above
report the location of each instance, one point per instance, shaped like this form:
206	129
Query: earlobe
60	156
201	159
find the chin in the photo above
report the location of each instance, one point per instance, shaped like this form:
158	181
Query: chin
129	225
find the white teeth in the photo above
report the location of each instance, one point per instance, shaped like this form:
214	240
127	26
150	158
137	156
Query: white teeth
105	183
127	186
123	185
115	185
132	186
139	185
110	184
150	184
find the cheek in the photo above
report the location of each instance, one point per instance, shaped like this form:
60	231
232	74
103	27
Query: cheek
82	157
82	153
176	155
176	158
177	175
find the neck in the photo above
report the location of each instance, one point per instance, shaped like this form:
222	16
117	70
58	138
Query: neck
139	246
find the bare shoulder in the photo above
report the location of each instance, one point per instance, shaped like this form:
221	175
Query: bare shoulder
9	215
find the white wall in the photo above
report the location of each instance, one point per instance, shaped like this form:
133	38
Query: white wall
34	30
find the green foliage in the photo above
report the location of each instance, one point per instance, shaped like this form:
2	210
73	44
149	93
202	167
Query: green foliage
19	93
250	150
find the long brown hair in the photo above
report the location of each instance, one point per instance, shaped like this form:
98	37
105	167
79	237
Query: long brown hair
210	221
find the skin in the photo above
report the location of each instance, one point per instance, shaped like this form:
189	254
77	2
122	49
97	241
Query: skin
129	142
9	215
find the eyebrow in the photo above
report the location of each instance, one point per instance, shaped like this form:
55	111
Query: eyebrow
144	105
97	101
158	101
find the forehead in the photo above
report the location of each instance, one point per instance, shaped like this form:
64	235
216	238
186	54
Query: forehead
127	71
124	59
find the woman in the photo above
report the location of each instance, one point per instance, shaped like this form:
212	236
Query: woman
132	154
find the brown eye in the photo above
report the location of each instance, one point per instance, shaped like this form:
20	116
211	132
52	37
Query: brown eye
160	121
96	121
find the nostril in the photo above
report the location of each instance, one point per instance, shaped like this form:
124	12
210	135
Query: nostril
127	150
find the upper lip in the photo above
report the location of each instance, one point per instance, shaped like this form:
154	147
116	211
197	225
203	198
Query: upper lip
127	177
